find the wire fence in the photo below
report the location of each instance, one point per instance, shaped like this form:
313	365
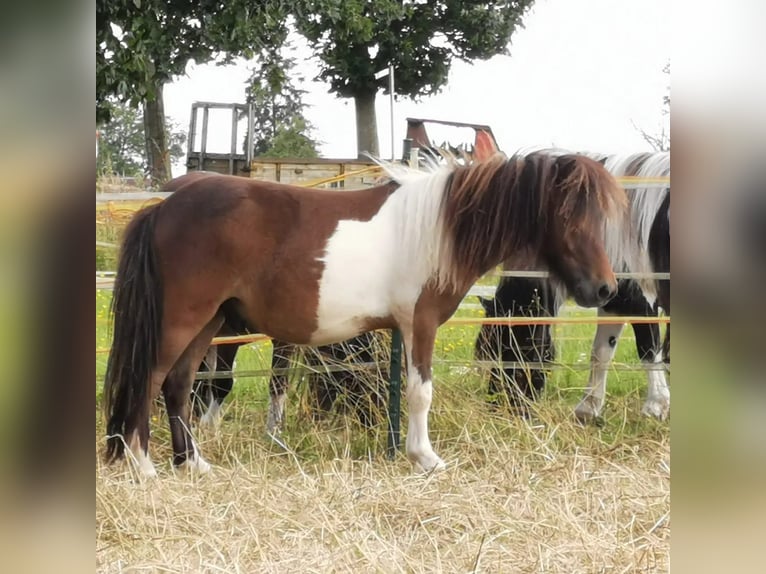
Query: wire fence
114	210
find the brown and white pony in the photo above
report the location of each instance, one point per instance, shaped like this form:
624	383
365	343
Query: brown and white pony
311	267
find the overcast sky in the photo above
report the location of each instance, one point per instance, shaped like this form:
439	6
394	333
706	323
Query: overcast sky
580	74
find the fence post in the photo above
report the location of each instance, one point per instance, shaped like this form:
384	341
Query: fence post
409	156
394	393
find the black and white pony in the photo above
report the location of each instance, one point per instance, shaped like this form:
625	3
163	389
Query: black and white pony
348	370
530	347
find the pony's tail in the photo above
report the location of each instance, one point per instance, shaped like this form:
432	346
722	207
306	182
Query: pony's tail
137	308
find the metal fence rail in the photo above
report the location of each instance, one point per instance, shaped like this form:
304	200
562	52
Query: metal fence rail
104	280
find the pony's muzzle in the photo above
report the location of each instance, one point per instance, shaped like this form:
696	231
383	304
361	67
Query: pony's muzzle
606	292
594	294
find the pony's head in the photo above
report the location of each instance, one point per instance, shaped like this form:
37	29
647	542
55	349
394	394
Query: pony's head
537	210
582	195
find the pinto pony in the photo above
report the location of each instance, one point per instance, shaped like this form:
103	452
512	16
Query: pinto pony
312	267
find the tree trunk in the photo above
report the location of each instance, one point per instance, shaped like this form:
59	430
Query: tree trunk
366	124
157	155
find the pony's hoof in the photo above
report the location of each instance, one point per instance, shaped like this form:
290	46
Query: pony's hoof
585	414
197	465
657	408
147	472
144	466
212	418
428	463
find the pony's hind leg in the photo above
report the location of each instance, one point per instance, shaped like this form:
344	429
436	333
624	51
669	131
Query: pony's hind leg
202	391
280	360
177	390
220	387
604	347
138	443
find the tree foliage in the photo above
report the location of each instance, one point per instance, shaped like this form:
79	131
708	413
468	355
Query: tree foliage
142	44
122	145
292	140
355	39
280	127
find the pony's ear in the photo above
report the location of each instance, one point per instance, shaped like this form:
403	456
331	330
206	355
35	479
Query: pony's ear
602	161
566	163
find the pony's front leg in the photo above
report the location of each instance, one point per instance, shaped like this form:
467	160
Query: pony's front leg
280	361
604	347
649	349
419	393
657	403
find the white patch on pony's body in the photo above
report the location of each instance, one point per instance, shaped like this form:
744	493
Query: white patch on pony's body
141	458
602	354
276	415
657	403
377	268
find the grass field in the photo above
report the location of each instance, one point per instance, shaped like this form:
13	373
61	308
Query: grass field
543	495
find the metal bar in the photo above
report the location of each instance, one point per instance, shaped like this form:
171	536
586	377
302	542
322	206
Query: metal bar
108	196
394	394
448	123
550	366
203	143
585	366
511	321
192	130
406	148
250	133
391	89
218	105
233	146
546	274
308	369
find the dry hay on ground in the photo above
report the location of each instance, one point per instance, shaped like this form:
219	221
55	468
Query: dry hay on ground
547	496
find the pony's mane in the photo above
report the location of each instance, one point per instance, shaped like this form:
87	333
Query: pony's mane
631	253
458	221
500	209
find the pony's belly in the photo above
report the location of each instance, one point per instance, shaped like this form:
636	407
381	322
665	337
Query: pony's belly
337	332
347	306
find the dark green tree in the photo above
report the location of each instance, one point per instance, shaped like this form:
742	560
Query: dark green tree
122	142
280	127
355	39
142	44
292	140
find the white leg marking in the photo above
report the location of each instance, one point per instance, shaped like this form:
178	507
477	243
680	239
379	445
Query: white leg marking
141	458
276	414
419	449
604	347
196	464
213	415
657	403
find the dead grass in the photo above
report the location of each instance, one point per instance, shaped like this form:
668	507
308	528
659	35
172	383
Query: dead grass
518	496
